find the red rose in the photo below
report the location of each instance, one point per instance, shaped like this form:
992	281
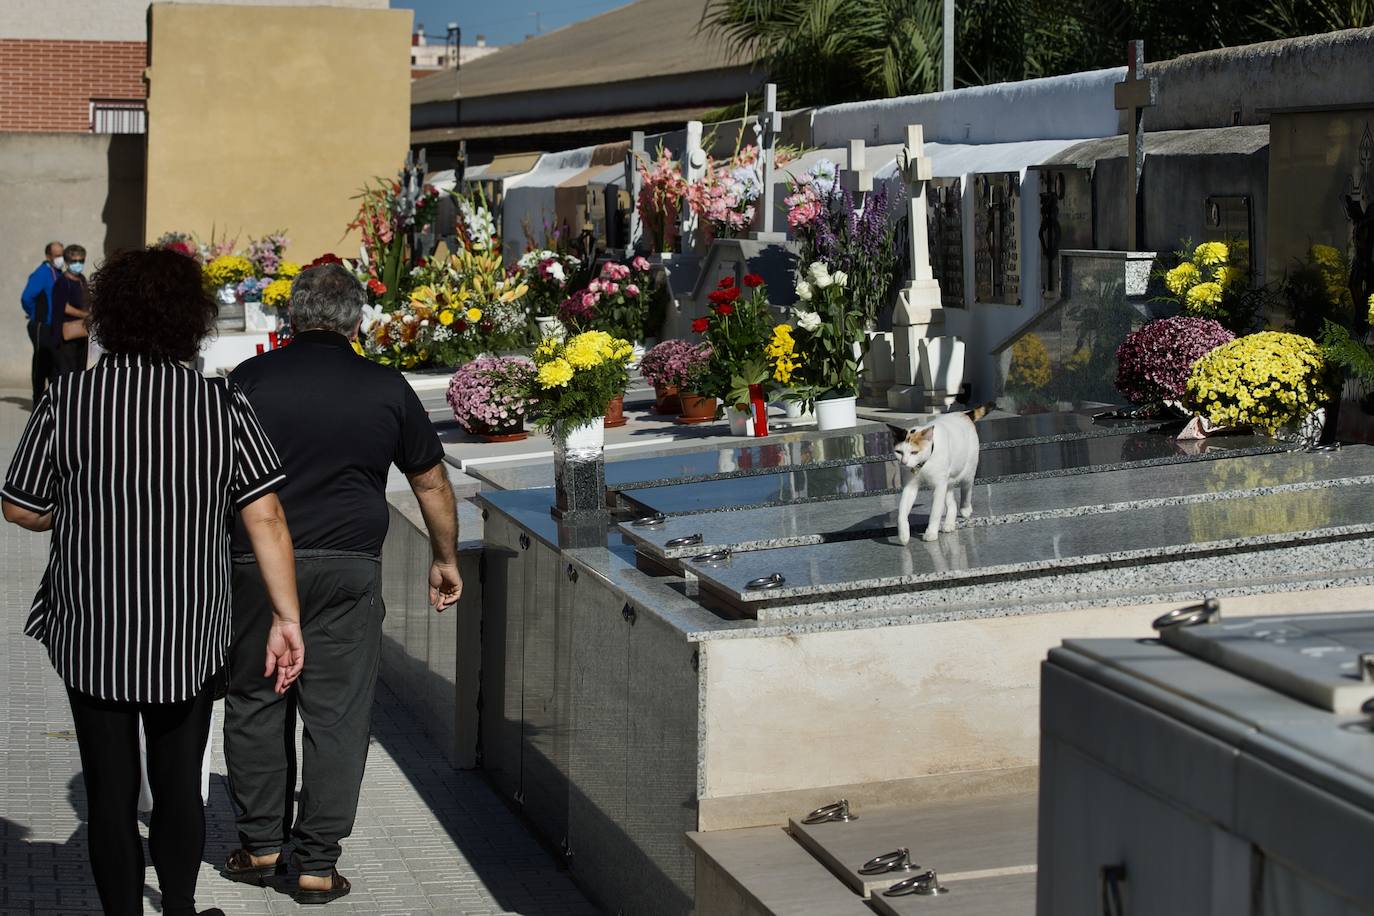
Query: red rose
719	297
377	286
486	327
727	282
700	325
324	259
732	294
725	310
460	325
753	280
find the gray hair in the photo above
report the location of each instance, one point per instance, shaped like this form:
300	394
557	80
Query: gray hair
326	298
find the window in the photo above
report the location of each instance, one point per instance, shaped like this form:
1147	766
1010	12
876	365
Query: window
118	116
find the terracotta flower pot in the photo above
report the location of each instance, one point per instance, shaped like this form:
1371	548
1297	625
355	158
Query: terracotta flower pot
615	412
511	432
667	399
696	409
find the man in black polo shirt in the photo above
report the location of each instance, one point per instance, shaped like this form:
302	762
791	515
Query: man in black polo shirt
339	422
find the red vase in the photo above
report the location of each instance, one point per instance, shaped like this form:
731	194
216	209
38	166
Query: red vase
615	412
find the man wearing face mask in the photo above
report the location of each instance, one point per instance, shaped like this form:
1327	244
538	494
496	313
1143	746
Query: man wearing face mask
69	314
37	299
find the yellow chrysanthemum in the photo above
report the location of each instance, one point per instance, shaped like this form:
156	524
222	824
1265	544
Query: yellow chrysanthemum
584	352
555	374
287	270
277	294
1371	310
1227	276
446	317
1263	380
1209	254
1182	278
1030	363
1204	298
474	314
228	268
1326	256
546	349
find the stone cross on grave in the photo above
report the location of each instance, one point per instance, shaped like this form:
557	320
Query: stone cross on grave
1134	95
693	166
633	183
928	371
767	126
856	175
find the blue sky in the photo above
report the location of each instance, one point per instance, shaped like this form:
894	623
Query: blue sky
502	21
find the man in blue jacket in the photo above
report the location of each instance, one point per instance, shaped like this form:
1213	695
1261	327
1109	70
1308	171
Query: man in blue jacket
36	300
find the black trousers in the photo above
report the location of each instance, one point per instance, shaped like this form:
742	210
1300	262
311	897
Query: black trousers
107	733
341	623
41	368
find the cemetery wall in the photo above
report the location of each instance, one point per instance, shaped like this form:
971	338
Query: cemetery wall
1244	85
82	188
1316	159
114	20
267	118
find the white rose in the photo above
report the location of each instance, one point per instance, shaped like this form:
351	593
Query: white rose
803	291
819	271
824	280
808	321
556	271
840	278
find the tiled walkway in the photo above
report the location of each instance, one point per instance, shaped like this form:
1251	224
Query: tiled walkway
429	839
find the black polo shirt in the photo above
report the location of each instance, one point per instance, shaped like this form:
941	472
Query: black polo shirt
339	422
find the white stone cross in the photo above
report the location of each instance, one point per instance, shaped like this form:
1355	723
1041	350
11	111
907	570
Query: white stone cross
767	126
633	182
693	166
857	177
1134	94
916	170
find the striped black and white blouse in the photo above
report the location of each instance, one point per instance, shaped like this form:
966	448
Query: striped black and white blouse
143	463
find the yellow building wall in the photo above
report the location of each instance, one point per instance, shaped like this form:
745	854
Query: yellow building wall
268	118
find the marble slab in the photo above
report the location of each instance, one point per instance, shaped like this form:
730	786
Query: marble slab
1033	461
1314	658
800	524
1054	544
998	432
974	838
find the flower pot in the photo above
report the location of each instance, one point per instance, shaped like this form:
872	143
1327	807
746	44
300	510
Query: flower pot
667	399
836	413
551	327
579	471
510	432
740	421
696	409
615	412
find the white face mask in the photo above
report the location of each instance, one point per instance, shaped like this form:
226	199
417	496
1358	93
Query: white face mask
58	263
76	267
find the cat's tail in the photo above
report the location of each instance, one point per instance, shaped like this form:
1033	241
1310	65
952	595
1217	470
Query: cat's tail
982	410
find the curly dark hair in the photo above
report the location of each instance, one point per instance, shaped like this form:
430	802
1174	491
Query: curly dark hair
153	302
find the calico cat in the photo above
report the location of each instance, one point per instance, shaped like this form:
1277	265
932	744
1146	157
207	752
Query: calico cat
943	455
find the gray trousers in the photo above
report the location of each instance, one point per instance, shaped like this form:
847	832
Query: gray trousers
341	623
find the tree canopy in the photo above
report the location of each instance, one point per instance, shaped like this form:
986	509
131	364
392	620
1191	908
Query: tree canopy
826	51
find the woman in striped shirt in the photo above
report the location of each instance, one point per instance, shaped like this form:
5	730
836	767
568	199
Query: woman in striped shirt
137	466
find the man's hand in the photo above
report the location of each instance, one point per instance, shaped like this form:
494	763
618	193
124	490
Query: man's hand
285	654
445	585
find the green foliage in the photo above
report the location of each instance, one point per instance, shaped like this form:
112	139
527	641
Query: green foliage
1341	349
827	51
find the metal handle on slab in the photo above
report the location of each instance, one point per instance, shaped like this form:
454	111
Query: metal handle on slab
687	540
524	541
649	521
714	556
834	812
1366	664
572	573
1209	611
898	860
776	580
926	884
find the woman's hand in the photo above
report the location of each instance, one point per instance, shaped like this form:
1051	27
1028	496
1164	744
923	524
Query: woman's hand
285	654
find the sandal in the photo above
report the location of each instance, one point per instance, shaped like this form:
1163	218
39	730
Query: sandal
338	887
239	867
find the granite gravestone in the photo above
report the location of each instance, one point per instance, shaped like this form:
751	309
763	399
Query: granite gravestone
945	227
1066	221
996	238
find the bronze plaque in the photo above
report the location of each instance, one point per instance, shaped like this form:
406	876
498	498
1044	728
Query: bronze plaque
996	242
945	232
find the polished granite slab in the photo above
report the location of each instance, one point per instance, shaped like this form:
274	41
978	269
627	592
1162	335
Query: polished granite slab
1000	431
1036	460
990	553
801	523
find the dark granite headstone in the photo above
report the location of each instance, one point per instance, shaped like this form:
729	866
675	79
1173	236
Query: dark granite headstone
996	217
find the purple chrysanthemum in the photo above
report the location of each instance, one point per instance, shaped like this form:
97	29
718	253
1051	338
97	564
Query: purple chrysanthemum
1153	362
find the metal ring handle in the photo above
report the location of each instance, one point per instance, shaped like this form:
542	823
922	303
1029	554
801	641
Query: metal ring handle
776	580
836	812
1209	611
649	521
926	884
687	540
714	556
898	860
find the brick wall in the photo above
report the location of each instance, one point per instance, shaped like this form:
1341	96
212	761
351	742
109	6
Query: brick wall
47	85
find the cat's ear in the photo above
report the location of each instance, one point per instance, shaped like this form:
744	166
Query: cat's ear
982	410
898	432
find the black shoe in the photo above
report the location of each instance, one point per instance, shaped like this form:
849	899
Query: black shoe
239	867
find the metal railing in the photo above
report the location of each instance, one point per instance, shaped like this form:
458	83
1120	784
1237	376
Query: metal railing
119	116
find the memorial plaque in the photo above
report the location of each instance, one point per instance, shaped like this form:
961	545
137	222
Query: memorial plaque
597	212
1066	221
996	242
945	221
1227	219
